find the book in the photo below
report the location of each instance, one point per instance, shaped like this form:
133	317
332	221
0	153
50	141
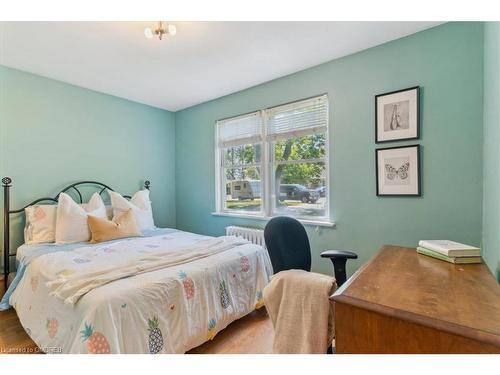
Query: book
455	260
451	248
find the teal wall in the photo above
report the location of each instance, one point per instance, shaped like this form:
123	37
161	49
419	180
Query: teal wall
447	62
491	167
52	133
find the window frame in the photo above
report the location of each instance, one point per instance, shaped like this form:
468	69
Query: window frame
223	181
267	165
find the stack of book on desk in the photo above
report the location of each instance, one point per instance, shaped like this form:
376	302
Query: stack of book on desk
450	251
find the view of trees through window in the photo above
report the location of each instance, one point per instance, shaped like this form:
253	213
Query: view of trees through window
275	161
299	176
243	181
300	148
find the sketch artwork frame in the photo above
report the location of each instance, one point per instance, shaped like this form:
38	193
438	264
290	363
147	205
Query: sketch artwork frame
397	115
393	177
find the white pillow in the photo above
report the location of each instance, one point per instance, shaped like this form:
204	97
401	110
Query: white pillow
109	211
140	205
40	224
71	221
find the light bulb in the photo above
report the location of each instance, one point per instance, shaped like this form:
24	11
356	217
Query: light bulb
172	30
148	32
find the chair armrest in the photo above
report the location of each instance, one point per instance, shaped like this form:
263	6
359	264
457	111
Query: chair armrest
339	259
339	254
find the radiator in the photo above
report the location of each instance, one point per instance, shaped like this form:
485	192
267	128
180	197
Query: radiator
253	235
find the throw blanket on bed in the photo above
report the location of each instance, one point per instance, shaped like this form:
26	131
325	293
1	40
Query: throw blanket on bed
188	303
302	314
74	282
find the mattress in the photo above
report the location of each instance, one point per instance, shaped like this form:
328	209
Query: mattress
168	310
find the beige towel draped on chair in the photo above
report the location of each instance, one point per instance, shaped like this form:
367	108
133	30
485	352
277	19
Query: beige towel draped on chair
298	303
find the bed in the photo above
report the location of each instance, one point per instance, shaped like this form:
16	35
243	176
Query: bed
159	306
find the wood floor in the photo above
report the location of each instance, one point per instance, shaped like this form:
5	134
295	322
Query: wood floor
252	334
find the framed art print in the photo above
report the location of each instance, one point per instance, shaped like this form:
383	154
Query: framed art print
398	171
397	115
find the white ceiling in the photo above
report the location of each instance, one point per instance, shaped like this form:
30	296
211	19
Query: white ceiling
204	61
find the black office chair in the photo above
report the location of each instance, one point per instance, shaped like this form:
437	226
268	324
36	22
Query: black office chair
288	247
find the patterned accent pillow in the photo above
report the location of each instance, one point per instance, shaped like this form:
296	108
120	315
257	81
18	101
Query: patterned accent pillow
40	224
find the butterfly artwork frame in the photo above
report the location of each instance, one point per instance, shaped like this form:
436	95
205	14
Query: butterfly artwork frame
398	171
397	115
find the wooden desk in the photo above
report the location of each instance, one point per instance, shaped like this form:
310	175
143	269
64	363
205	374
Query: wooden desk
404	302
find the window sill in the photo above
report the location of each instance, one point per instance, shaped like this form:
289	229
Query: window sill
314	223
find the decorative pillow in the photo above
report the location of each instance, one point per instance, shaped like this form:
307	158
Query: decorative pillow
40	224
109	211
140	205
71	221
122	226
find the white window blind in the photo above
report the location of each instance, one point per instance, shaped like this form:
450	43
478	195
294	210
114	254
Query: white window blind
245	129
298	119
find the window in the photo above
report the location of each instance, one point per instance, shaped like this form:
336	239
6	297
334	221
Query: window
275	161
240	163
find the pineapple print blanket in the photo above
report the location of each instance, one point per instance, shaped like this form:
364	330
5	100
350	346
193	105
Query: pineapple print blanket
125	259
164	293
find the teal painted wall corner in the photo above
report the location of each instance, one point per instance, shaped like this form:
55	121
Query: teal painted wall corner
78	134
447	62
491	163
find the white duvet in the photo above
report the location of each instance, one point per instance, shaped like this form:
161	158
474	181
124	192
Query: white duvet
166	293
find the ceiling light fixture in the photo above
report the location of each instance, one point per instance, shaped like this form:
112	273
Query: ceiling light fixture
160	31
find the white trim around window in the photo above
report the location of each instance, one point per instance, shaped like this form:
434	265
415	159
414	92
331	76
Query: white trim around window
288	142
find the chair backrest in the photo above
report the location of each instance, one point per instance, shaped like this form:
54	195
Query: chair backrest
288	245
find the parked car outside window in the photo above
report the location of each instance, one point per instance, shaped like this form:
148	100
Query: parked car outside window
298	192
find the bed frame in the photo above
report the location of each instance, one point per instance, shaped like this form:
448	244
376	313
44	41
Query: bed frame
7	184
